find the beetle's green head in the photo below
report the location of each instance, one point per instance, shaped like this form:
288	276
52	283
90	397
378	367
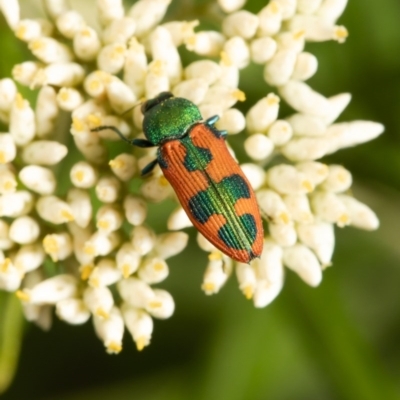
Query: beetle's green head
167	117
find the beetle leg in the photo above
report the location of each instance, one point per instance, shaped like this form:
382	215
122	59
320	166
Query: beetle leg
212	120
149	167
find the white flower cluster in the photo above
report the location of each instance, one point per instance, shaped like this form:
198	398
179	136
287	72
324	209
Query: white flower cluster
105	268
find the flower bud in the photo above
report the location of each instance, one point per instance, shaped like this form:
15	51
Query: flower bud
58	246
110	330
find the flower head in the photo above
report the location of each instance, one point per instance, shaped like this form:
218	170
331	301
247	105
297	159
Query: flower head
93	229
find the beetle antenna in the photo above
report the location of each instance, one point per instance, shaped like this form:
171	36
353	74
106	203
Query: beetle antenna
138	103
113	128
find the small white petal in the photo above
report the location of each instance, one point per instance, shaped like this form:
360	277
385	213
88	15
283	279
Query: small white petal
110	330
338	180
72	311
58	246
81	206
69	23
330	208
50	50
24	230
86	44
255	174
319	237
178	220
360	214
127	259
280	132
241	23
260	117
135	210
262	49
54	210
170	244
273	207
283	234
153	270
162	306
139	324
104	273
44	152
302	98
303	261
270	19
135	292
143	239
207	70
286	179
39	179
259	146
99	301
52	290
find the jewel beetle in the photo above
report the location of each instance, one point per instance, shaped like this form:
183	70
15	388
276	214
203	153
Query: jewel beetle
208	182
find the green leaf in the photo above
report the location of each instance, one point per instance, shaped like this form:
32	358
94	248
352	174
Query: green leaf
11	327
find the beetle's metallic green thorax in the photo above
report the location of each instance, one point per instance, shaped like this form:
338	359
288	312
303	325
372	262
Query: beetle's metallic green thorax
169	119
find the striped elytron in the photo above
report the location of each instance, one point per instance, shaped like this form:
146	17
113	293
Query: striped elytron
209	183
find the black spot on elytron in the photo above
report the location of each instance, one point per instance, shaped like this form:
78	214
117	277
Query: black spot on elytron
233	239
220	198
196	158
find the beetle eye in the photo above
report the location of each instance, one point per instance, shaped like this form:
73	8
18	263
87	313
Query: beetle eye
157	100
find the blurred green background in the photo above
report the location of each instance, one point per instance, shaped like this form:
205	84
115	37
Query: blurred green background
338	341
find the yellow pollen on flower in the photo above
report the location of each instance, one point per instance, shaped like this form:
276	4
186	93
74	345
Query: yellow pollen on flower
208	287
343	220
307	185
50	245
225	59
155	304
85	271
77	124
157	67
239	95
94	282
299	34
9	185
191	40
79	175
126	271
89	249
67	215
134	44
93	120
19	101
64	94
158	266
5	265
284	217
100	312
36	44
118	51
103	224
2	157
94	85
274	7
272	99
23	296
20	32
116	164
162	180
215	256
341	176
141	343
248	292
86	32
340	34
114	347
